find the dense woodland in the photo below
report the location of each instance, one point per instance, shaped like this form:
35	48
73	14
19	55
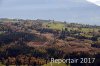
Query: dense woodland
35	42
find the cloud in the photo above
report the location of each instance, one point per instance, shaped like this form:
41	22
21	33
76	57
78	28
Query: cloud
96	2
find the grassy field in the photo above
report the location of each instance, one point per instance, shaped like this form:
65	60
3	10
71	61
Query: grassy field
10	65
89	30
55	64
49	64
60	26
1	64
57	26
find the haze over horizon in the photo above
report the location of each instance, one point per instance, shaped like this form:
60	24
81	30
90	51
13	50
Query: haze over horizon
80	11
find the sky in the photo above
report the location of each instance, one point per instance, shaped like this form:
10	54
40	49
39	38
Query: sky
96	2
79	11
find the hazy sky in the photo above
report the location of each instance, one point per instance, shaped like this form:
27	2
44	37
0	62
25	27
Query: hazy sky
80	11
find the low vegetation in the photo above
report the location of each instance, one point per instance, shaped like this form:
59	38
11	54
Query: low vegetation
35	42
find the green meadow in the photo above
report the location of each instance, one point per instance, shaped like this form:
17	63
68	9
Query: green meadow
55	64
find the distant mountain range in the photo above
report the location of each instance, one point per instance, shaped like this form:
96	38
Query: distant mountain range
79	11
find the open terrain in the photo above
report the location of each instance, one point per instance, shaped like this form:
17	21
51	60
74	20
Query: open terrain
35	42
